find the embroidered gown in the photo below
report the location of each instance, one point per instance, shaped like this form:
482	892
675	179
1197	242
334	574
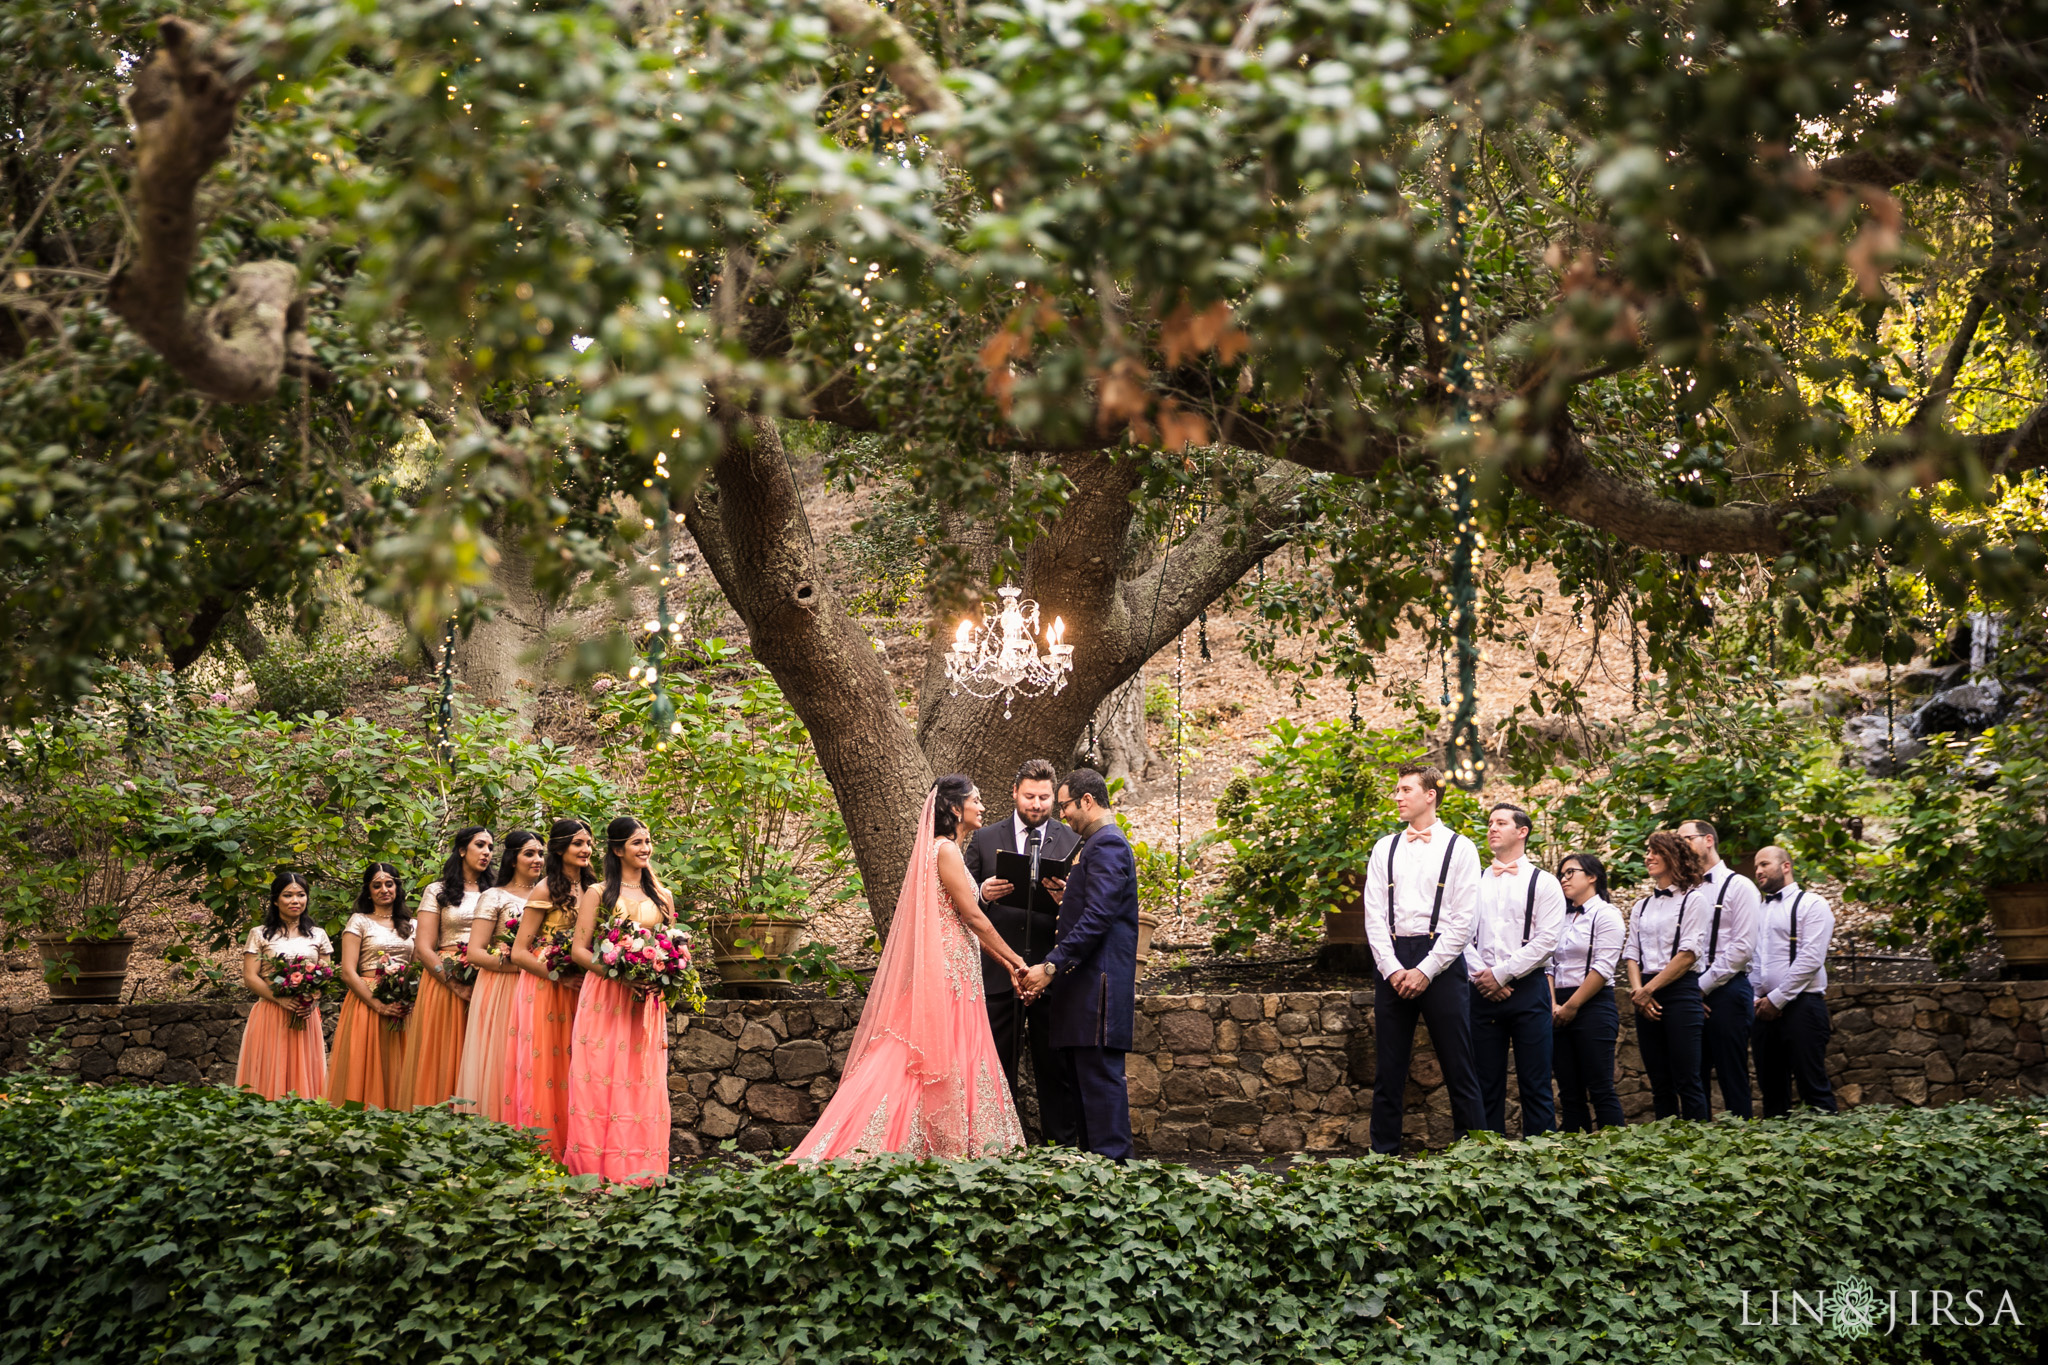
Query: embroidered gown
480	1086
440	1017
922	1078
618	1074
367	1055
277	1059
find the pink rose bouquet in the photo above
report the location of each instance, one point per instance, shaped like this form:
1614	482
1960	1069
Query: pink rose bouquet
398	983
456	968
295	979
653	961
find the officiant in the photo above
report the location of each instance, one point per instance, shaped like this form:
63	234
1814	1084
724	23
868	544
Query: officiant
1026	917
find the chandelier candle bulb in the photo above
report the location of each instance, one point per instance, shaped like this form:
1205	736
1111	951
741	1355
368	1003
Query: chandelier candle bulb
1001	656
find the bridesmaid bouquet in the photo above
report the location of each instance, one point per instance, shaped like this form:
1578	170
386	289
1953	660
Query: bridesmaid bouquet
460	970
296	979
508	930
398	983
554	955
653	961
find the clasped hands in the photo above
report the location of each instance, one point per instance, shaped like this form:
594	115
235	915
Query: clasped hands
1030	981
1490	986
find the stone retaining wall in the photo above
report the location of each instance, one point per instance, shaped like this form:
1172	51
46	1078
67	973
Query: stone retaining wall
1210	1073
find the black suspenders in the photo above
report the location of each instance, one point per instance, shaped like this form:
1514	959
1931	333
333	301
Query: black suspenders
1678	930
1714	936
1529	908
1592	928
1443	875
1792	954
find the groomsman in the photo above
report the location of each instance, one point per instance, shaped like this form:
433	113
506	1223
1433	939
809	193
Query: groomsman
1792	1025
1520	914
1421	890
1014	1024
1724	973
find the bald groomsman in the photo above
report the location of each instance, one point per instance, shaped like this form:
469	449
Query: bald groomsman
1521	913
1421	890
1724	973
1792	1025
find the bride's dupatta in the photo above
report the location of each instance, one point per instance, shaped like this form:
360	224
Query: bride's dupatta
916	1064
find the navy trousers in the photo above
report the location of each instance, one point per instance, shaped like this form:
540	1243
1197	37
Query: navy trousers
1104	1101
1445	1009
1584	1063
1522	1021
1059	1121
1724	1044
1794	1047
1671	1050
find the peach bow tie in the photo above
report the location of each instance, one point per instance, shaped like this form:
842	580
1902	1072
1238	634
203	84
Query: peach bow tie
1412	835
1505	869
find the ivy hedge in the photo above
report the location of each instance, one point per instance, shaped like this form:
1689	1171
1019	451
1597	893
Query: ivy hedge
197	1224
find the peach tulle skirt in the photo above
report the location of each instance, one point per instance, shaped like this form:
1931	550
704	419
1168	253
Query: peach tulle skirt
480	1084
537	1058
366	1057
433	1046
618	1086
279	1060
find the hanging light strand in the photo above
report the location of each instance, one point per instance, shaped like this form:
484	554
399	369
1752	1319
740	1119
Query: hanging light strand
1466	756
444	707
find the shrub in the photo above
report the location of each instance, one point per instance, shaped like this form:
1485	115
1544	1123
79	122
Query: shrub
201	1225
298	677
1302	828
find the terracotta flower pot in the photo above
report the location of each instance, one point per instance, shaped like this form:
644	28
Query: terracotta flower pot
1147	922
749	949
85	970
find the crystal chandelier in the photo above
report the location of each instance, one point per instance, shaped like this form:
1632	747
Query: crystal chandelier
1001	657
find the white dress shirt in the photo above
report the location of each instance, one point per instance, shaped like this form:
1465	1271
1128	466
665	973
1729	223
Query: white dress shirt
1662	918
1498	943
1589	942
1416	863
1780	972
1733	949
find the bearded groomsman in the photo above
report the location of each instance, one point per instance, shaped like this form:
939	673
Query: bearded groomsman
1015	1024
1724	973
1792	1025
1520	914
1421	890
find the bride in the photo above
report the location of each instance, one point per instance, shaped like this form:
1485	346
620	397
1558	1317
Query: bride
923	1078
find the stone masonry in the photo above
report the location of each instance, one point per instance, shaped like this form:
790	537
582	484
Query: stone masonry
1233	1074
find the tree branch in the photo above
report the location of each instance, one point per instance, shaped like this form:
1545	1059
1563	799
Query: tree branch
1215	555
184	105
1958	350
908	67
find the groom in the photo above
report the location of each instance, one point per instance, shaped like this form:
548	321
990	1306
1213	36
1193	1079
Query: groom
1030	932
1090	978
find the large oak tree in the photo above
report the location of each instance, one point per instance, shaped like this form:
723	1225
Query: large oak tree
1688	300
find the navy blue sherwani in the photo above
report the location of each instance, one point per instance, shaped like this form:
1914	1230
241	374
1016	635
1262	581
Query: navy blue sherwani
1092	999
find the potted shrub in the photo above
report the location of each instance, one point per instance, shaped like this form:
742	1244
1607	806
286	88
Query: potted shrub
2012	845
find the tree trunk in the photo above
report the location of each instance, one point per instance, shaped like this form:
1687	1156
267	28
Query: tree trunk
1123	748
500	659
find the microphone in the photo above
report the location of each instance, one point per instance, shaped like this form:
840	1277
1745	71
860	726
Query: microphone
1037	848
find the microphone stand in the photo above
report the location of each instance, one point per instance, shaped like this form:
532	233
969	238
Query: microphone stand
1030	908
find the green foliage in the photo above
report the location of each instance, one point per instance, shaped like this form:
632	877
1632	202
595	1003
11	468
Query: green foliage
299	678
195	1224
1759	776
1301	829
1954	834
738	806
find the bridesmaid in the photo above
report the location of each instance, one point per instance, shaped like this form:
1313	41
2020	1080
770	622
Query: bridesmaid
433	1043
480	1085
278	1059
618	1077
367	1054
1666	940
544	1009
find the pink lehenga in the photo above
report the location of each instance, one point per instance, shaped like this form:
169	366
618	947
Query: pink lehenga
922	1078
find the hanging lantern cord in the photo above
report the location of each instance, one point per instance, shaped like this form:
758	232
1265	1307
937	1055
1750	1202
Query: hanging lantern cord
1884	590
1180	650
661	711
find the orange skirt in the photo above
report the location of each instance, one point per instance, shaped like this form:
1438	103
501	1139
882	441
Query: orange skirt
366	1057
279	1060
433	1046
537	1061
480	1085
618	1087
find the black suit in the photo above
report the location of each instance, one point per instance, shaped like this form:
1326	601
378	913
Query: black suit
1031	936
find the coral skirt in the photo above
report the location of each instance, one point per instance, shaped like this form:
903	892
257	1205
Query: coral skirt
366	1057
433	1046
618	1086
480	1085
279	1060
537	1058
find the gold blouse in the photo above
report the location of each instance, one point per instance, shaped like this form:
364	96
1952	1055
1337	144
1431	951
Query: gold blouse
455	916
312	944
380	942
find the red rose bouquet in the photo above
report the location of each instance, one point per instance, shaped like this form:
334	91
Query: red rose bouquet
555	956
653	961
456	968
295	979
508	930
398	983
